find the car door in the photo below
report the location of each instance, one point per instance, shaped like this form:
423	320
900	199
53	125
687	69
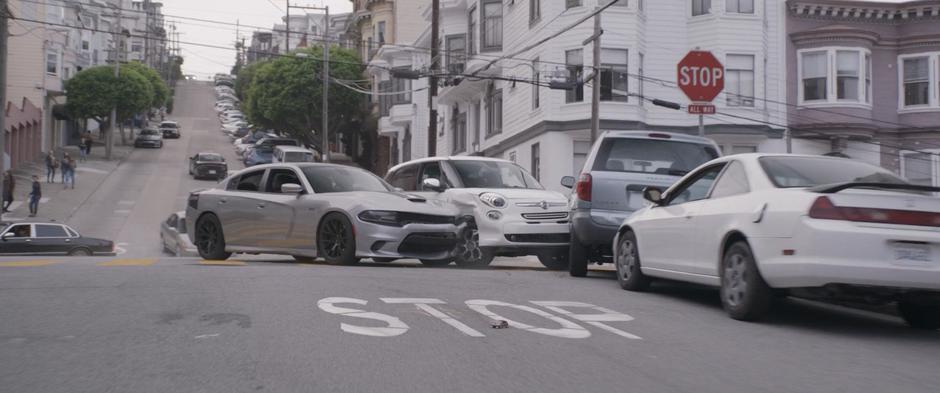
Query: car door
17	239
51	239
726	207
665	234
241	218
279	208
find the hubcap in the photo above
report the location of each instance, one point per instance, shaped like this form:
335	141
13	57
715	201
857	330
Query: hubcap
207	237
468	249
334	239
735	280
626	261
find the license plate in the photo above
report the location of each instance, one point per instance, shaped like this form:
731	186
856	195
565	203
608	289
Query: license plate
212	171
912	254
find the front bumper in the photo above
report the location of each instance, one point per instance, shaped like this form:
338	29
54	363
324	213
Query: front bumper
147	143
842	252
418	241
512	230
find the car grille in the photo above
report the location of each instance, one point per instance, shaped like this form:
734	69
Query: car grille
417	218
545	216
427	243
539	238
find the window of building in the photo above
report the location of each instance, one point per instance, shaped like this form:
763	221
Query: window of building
868	66
535	85
921	167
739	80
471	30
572	3
494	112
739	6
137	47
403	86
614	75
575	65
380	33
847	75
52	63
701	7
406	144
834	75
84	44
385	100
916	81
535	11
456	47
458	128
475	114
536	167
491	28
814	76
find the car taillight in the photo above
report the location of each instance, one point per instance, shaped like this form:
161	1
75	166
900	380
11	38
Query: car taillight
583	188
659	135
824	209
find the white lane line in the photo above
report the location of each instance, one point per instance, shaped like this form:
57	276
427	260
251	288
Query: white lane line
207	335
122	212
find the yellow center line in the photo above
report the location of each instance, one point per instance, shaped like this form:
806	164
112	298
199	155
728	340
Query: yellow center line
221	263
28	263
129	262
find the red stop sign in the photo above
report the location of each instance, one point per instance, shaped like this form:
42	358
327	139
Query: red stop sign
701	76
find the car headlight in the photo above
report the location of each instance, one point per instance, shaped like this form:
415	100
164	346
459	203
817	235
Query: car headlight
493	199
381	217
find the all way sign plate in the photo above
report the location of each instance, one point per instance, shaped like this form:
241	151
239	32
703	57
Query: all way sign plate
701	109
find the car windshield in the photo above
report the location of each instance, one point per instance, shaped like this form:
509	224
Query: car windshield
659	156
789	171
210	157
493	174
327	179
148	131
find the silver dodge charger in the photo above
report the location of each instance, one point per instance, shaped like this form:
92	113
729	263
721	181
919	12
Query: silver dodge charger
307	210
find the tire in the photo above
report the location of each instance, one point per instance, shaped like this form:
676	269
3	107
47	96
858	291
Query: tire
436	262
554	259
469	253
80	252
210	241
304	259
336	241
384	260
577	258
920	315
627	260
745	295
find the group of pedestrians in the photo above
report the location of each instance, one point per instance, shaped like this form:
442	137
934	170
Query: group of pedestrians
67	165
35	194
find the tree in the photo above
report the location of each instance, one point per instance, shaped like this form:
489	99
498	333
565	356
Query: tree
286	94
160	91
244	77
92	93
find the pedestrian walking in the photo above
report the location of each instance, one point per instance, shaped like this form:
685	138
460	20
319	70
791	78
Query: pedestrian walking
68	171
34	196
82	153
51	164
8	184
88	143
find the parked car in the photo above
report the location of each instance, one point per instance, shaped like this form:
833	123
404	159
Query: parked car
756	224
271	142
307	210
259	156
208	165
611	184
149	137
43	238
170	129
512	214
289	153
173	236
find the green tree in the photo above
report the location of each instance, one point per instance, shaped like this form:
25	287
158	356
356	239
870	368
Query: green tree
93	92
160	91
286	94
244	77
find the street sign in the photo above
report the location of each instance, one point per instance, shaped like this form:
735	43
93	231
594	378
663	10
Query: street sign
701	76
701	109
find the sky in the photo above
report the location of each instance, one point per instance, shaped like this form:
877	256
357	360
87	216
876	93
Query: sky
204	62
251	14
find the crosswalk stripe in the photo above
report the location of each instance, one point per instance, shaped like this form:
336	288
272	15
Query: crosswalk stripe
129	262
221	263
38	262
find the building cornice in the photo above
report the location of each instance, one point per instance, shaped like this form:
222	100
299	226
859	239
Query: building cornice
835	33
865	11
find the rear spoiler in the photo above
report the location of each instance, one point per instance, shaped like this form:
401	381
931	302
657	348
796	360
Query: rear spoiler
836	187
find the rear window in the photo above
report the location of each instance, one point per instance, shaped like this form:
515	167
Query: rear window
168	125
47	230
787	172
663	157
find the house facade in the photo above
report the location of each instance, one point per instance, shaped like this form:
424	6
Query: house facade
864	82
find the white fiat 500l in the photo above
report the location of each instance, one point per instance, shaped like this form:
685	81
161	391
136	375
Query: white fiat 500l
755	224
512	214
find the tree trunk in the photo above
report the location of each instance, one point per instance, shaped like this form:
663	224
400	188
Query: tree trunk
123	139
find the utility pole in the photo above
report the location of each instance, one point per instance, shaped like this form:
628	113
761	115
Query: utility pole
116	37
147	33
595	77
287	33
325	140
4	48
432	78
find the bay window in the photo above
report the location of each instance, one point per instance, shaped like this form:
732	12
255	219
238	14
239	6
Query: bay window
701	7
847	73
814	77
916	81
739	6
491	28
835	76
456	48
613	74
739	80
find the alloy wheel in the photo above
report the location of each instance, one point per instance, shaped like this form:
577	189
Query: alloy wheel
468	249
334	239
735	279
626	259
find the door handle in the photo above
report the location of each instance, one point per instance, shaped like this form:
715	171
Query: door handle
222	201
68	240
29	240
261	205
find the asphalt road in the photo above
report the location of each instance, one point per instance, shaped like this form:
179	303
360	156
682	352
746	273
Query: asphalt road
143	322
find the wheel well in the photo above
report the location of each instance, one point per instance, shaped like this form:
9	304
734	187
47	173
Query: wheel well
730	238
81	248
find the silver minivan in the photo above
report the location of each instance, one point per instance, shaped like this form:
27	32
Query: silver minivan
610	187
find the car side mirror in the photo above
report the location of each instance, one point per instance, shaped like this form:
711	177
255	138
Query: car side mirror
653	194
567	181
7	235
432	184
291	188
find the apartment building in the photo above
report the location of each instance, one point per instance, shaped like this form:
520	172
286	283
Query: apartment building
864	82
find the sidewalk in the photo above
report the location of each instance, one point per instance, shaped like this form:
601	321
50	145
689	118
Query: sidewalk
58	203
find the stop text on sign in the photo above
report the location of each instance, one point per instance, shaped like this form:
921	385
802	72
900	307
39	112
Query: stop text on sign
701	76
560	324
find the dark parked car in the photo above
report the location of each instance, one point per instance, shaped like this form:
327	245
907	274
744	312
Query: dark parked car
170	129
208	165
269	143
42	238
149	137
259	155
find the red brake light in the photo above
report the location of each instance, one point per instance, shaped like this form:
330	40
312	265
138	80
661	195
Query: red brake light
824	209
660	135
583	188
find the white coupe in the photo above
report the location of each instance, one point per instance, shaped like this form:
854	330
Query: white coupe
758	225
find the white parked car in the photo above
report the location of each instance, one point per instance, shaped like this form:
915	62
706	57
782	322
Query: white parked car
512	214
759	224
